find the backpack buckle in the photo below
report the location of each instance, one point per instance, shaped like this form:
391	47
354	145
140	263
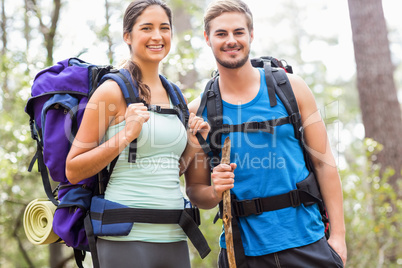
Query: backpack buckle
154	108
34	133
294	118
225	128
248	207
294	198
251	126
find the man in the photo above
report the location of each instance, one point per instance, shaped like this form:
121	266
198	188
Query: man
267	164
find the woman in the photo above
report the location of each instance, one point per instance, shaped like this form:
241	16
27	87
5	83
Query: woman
164	146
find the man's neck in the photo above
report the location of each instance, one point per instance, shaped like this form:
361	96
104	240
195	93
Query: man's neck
243	82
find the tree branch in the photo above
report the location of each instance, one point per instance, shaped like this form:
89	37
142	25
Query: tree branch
20	245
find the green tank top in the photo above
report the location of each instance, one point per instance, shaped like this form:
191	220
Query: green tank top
153	181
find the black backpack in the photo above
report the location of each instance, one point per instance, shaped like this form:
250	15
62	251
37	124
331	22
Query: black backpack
307	192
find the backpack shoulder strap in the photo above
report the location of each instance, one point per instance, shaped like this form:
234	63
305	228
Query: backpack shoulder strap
286	95
185	112
212	100
177	98
203	101
130	92
128	87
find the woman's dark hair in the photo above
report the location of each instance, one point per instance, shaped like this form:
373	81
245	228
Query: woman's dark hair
133	11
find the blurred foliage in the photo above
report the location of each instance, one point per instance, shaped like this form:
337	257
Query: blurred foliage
211	232
373	213
18	186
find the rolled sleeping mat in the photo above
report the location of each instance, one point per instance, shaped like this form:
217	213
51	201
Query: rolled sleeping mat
38	222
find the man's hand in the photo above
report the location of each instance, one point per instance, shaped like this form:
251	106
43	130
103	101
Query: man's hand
223	178
339	245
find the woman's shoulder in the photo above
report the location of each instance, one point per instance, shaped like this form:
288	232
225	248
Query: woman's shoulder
109	99
108	92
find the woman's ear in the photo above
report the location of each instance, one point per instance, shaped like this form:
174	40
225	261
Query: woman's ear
127	38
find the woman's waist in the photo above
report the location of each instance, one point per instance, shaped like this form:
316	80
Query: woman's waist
147	194
155	162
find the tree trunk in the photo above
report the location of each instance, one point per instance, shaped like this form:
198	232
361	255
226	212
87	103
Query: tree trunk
56	255
379	104
3	66
3	28
107	32
48	31
5	96
182	25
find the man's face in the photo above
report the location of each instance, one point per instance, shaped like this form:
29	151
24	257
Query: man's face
230	39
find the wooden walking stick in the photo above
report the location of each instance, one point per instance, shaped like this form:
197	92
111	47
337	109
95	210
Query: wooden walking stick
227	210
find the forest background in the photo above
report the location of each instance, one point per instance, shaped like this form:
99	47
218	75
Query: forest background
348	52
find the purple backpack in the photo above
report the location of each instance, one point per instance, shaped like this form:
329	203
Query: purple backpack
59	96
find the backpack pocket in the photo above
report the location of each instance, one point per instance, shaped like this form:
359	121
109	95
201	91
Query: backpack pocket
58	121
310	185
68	221
98	206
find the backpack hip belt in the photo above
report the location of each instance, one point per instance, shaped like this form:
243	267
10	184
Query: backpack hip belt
307	193
188	219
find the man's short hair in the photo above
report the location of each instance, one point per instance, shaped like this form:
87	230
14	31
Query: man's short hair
216	8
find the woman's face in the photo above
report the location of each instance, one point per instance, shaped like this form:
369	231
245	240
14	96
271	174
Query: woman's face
150	37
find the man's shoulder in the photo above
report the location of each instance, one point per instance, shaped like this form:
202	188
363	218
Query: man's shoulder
194	104
301	90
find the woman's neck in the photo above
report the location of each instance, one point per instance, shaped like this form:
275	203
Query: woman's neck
150	74
150	77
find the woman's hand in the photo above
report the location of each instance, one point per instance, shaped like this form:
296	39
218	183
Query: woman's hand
223	178
136	115
196	125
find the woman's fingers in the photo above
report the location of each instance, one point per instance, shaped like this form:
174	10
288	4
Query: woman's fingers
197	124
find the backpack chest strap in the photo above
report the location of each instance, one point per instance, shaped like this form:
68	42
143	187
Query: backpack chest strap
158	109
267	126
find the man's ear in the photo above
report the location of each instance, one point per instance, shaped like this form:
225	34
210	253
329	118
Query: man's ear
251	35
127	38
207	38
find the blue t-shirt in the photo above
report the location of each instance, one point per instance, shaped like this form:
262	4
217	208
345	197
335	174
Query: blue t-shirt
269	165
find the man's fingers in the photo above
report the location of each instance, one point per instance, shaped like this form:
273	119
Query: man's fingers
223	167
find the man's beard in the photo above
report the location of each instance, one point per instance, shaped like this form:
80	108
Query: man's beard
233	64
